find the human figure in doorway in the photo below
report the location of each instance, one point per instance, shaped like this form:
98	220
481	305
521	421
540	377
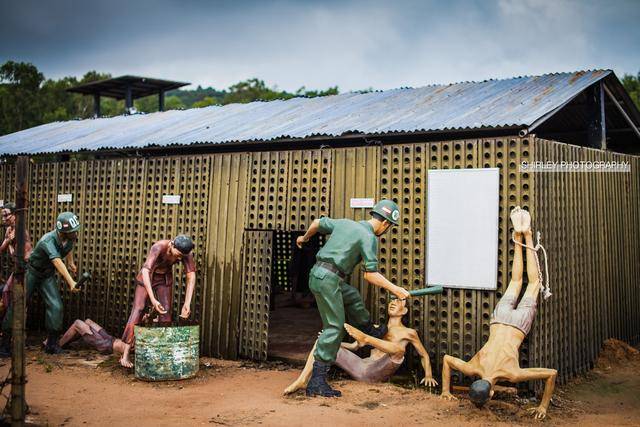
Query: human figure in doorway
497	360
350	243
386	357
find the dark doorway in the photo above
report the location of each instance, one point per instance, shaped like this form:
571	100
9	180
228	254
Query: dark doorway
294	321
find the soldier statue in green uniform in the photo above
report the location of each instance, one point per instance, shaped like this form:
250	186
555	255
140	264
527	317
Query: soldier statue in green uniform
44	261
350	243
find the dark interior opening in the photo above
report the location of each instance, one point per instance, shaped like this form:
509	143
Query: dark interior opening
294	321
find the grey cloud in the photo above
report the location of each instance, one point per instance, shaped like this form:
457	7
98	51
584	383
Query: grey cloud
354	44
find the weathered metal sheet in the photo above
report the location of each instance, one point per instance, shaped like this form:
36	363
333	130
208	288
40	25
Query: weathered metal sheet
308	187
268	190
226	210
517	101
456	322
587	220
256	292
355	174
167	353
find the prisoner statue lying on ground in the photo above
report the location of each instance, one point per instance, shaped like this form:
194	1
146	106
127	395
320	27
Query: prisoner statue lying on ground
497	360
95	336
386	356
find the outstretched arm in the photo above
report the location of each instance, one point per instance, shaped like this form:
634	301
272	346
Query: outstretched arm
530	374
311	231
414	339
391	348
457	364
191	284
377	279
71	263
62	269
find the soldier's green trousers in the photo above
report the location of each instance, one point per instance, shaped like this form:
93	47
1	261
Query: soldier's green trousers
336	300
49	291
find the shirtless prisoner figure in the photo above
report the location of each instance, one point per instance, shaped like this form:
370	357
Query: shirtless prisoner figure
498	359
95	336
386	357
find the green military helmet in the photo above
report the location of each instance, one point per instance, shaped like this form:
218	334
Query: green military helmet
388	210
67	222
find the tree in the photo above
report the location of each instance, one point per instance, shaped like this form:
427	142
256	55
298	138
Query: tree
173	103
19	97
27	99
205	102
632	85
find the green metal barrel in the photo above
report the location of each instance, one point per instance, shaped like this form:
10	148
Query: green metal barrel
167	353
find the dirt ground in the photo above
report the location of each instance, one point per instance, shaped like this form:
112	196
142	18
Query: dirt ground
80	388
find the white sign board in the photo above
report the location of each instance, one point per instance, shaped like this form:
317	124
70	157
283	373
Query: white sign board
171	199
462	235
1	202
65	198
362	203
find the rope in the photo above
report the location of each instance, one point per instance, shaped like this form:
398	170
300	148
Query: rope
544	290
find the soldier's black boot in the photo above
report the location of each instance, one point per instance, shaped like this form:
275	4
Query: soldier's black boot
375	331
5	346
52	346
318	385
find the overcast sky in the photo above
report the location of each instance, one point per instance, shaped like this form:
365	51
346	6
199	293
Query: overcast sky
351	43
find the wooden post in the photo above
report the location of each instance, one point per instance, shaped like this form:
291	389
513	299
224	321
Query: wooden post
161	100
96	105
128	100
18	405
596	126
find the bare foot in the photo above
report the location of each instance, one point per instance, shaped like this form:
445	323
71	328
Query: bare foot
521	220
356	334
447	396
125	362
538	413
293	388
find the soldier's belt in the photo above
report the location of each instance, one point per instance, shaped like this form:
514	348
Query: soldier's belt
332	268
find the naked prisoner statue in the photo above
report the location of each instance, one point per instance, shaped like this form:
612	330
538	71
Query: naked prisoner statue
386	357
497	360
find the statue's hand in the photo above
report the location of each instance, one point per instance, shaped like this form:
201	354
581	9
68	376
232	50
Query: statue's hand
301	241
538	413
429	382
447	396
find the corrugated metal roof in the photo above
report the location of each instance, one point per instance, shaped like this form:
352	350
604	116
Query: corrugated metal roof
489	104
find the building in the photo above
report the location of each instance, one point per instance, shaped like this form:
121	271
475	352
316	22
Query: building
252	176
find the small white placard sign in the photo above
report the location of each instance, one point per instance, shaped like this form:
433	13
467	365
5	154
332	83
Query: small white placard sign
1	202
171	199
65	198
362	203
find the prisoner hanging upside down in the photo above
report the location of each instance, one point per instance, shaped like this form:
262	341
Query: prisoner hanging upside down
497	360
10	244
386	357
95	336
156	278
46	258
350	243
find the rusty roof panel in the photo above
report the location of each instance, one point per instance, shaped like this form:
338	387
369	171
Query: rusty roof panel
511	102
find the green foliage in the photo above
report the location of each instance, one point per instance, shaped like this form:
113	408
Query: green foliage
632	85
19	93
205	102
27	99
173	103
